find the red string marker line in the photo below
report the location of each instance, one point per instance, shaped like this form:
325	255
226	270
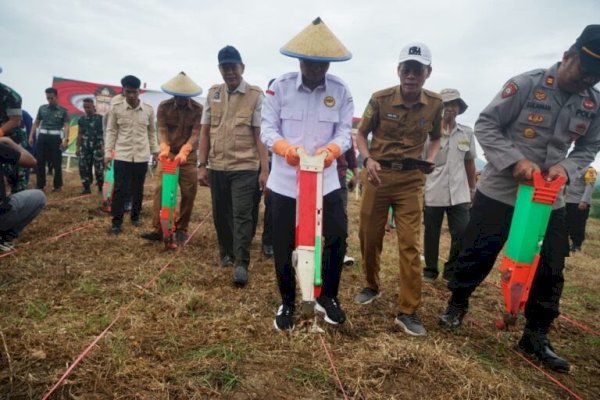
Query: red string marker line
55	202
335	372
547	375
123	311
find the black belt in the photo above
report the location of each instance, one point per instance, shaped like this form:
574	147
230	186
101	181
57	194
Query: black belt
403	165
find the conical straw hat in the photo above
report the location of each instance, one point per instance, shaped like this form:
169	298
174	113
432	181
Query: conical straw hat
316	43
182	85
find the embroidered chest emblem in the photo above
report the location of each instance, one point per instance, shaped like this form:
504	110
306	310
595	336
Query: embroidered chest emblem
329	101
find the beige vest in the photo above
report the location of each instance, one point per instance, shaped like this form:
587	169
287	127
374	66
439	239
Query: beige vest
232	143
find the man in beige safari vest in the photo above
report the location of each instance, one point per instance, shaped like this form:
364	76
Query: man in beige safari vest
230	157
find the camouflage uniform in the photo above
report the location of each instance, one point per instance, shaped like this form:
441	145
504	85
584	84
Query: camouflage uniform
10	105
91	151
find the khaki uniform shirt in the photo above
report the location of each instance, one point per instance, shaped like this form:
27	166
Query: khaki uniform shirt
448	185
531	118
131	133
399	131
232	118
179	122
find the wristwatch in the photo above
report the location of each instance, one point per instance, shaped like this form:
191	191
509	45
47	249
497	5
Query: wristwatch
202	164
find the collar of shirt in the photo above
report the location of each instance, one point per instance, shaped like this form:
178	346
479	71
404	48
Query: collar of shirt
139	106
300	85
241	88
398	100
453	130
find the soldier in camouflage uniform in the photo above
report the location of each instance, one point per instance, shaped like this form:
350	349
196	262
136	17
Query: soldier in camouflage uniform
10	126
90	147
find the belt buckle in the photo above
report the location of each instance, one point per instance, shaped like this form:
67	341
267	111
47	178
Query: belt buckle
396	166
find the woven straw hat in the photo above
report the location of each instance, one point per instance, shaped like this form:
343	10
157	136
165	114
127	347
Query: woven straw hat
182	85
316	43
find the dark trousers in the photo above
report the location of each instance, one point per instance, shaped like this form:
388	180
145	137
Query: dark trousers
458	218
233	198
48	152
129	184
484	237
335	233
576	220
267	235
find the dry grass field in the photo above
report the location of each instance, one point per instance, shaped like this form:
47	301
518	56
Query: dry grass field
179	329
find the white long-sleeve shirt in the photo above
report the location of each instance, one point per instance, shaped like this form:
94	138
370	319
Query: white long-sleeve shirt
312	119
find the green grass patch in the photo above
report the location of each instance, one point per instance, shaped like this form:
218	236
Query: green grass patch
224	379
309	376
227	352
37	309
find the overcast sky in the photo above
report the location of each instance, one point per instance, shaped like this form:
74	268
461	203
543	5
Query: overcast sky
476	45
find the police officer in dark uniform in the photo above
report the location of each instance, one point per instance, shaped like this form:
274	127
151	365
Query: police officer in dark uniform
529	126
90	146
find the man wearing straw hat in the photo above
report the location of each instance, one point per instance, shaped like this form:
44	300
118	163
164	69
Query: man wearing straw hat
178	120
401	119
311	110
230	147
450	187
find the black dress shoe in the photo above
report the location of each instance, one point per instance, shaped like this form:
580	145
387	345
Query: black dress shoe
537	345
151	236
453	316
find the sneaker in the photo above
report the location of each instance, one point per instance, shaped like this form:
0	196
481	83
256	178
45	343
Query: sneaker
136	222
537	345
6	246
429	276
366	296
284	320
411	324
86	190
240	275
267	250
115	230
348	261
151	236
226	261
333	313
56	190
181	237
453	316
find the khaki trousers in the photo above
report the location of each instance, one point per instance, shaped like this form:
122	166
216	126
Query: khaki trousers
403	190
188	185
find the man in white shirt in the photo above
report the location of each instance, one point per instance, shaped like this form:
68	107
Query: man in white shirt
311	110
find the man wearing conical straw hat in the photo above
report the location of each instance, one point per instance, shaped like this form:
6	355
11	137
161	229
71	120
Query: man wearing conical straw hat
309	110
178	132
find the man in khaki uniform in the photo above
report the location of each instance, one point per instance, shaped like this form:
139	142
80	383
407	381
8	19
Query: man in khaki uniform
230	147
400	119
450	187
130	141
178	132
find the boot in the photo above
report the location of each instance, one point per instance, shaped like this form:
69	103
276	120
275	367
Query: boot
457	308
535	343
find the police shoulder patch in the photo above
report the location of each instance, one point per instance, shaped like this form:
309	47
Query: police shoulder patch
510	89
